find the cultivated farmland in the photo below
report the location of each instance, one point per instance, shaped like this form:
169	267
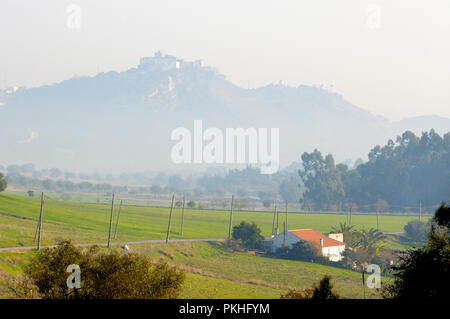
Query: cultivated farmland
89	223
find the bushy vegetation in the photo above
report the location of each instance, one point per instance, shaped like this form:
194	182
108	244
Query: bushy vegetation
248	234
191	204
103	275
3	183
322	291
362	245
365	247
424	272
61	185
397	175
301	250
416	231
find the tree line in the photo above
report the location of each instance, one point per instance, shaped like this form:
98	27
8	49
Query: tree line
403	173
61	185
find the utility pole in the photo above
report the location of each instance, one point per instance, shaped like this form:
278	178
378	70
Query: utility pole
284	232
110	219
117	222
274	216
377	221
363	282
277	222
182	216
231	217
286	215
170	220
40	222
420	210
350	215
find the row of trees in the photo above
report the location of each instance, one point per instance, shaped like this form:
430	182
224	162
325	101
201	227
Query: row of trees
397	175
62	185
30	169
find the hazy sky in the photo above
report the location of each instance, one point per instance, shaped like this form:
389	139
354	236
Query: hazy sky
390	57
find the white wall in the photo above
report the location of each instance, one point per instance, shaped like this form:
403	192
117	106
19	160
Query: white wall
277	241
333	253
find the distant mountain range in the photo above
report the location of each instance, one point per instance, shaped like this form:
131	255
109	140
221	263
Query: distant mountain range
122	121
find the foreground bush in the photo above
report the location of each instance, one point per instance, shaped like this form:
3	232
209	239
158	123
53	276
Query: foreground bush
110	275
322	291
424	273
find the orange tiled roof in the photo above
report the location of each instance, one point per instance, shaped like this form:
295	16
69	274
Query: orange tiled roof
314	237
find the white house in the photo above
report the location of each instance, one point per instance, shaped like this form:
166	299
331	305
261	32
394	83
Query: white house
330	247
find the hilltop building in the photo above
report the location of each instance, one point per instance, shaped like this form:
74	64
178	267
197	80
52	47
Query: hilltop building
160	62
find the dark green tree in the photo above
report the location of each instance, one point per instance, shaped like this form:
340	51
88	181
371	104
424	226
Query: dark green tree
416	230
301	250
402	173
191	204
424	273
322	180
351	237
248	233
110	275
3	183
324	290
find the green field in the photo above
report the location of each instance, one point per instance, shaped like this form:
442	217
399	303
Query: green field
213	260
87	223
215	272
195	286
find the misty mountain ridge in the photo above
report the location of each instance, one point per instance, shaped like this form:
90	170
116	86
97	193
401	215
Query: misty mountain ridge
122	121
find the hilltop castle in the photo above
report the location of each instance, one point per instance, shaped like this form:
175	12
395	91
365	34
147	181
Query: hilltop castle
166	62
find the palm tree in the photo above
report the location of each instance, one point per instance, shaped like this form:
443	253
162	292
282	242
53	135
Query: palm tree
343	228
369	239
351	237
365	244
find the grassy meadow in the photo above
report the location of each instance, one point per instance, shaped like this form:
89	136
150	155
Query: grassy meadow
89	223
212	271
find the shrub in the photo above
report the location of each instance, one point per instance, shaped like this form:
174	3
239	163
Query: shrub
416	230
109	275
292	294
301	250
3	183
248	233
424	273
324	290
267	204
191	204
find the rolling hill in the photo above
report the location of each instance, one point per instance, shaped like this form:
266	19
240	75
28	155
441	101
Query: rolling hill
122	121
